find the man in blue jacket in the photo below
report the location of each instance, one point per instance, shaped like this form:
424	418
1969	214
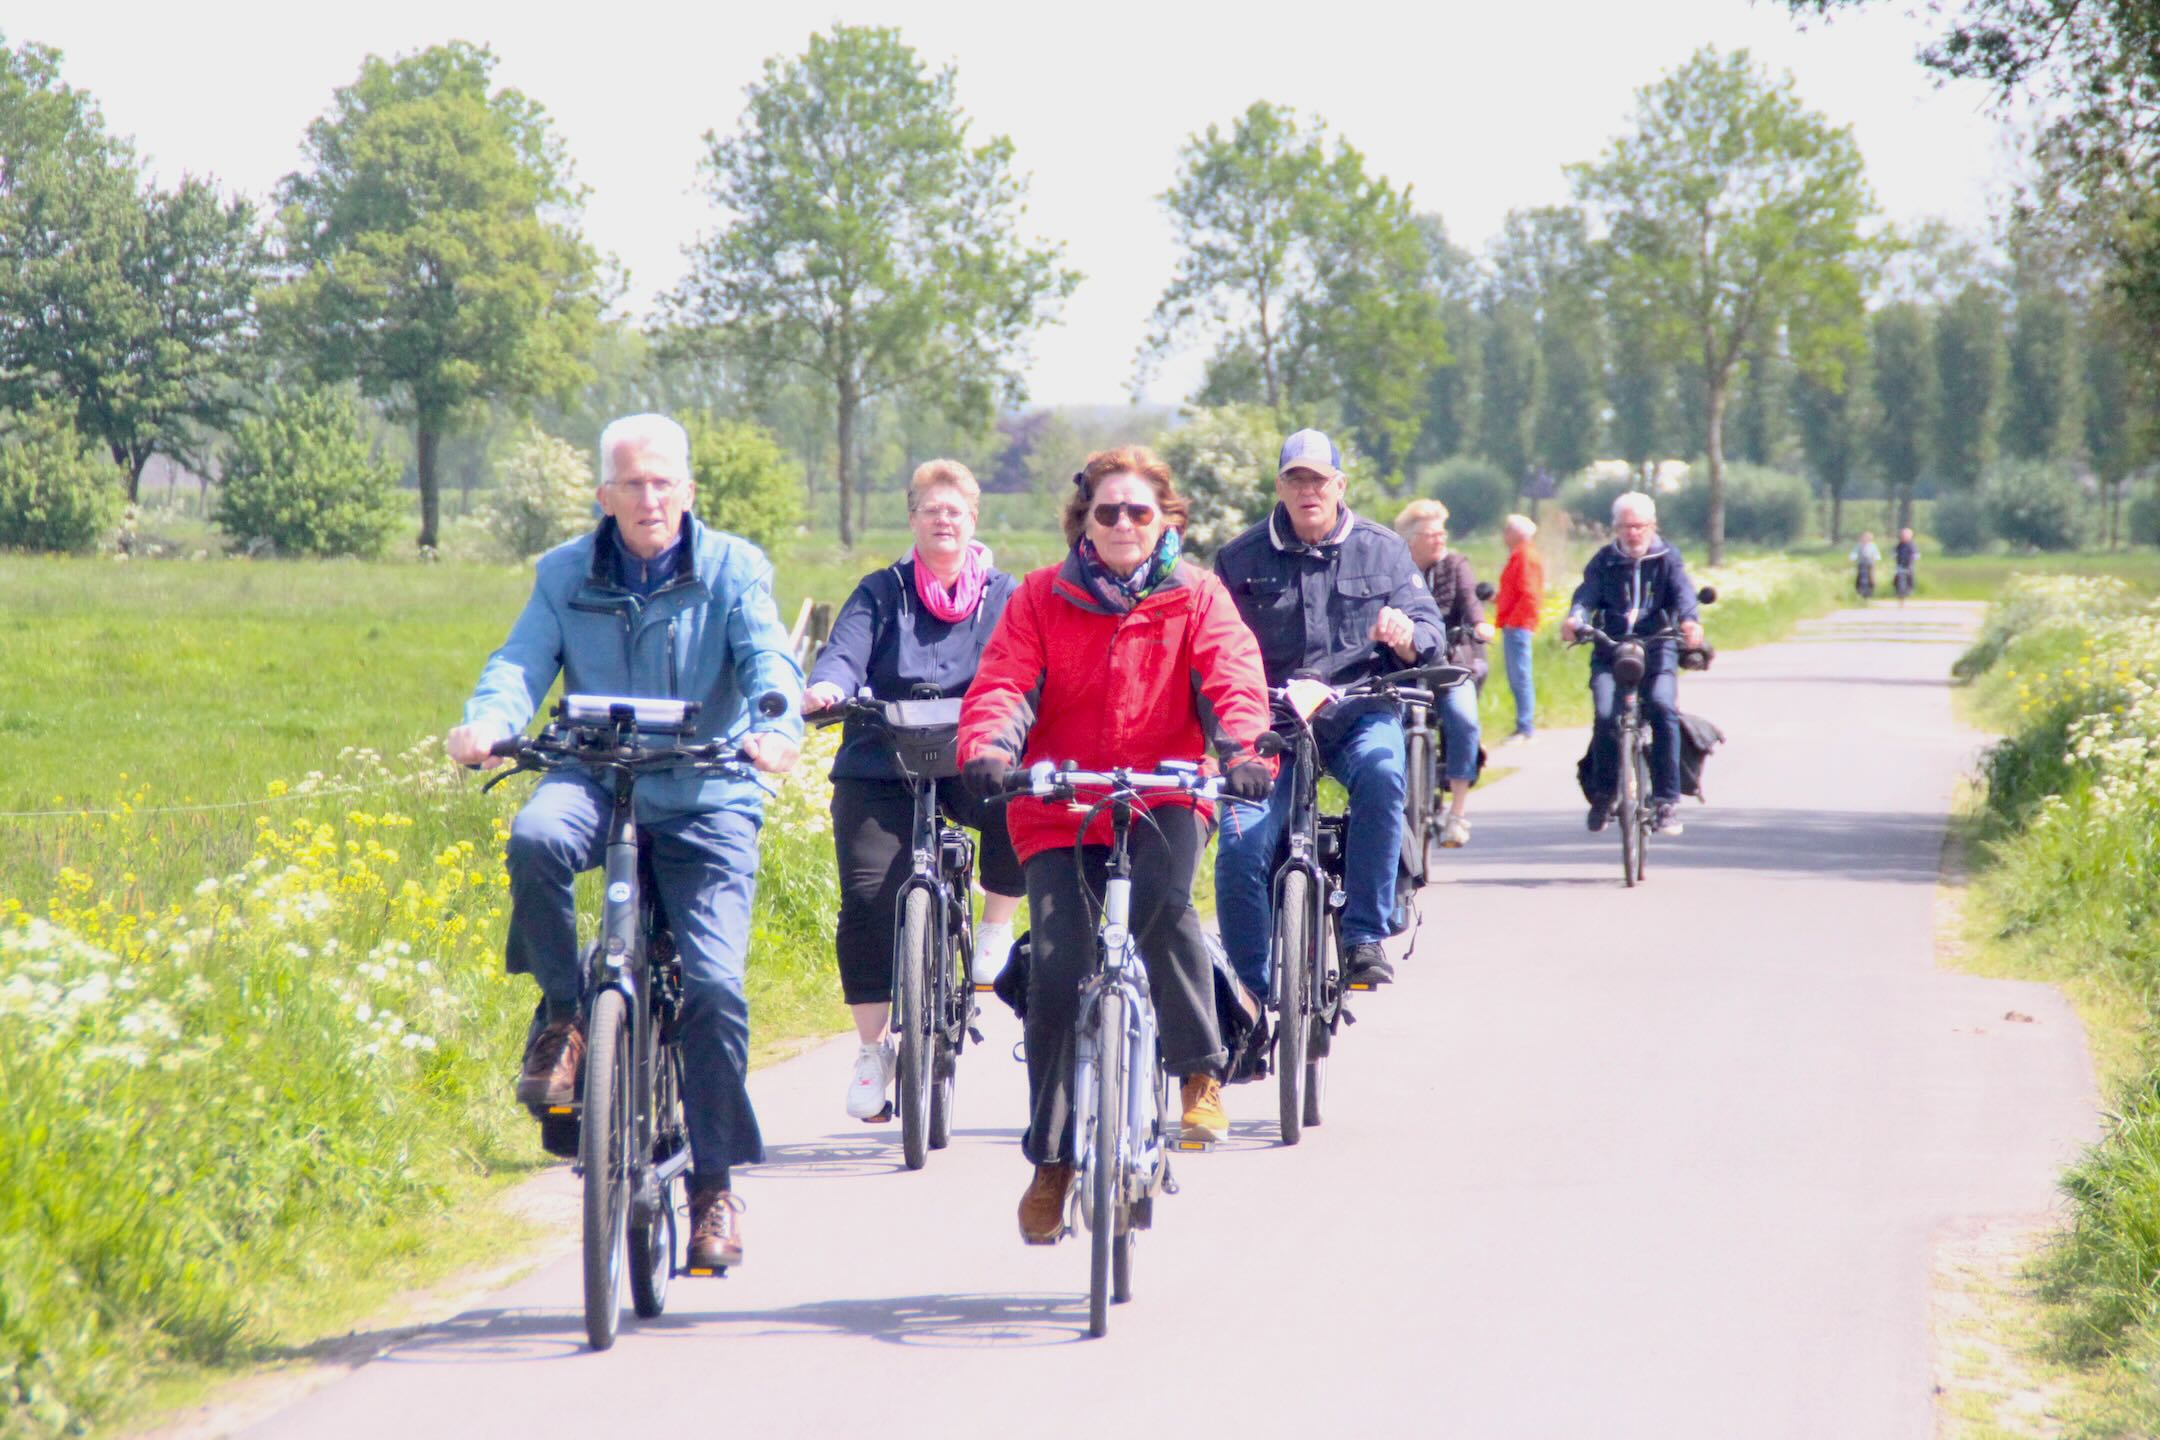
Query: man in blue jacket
1635	583
1330	594
653	604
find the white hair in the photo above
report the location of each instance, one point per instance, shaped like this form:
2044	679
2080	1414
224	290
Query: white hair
666	441
1636	501
1521	525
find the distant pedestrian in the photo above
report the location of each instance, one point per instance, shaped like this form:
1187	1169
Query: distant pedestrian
1522	591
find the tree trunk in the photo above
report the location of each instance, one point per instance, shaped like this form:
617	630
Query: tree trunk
1904	506
845	401
1837	516
429	442
1717	471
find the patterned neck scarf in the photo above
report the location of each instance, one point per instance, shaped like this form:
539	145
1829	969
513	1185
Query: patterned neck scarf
1123	592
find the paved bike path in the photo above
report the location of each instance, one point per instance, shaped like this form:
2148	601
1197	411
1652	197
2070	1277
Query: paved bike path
1664	1162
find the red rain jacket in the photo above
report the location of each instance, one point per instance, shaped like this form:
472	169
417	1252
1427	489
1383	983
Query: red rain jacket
1064	678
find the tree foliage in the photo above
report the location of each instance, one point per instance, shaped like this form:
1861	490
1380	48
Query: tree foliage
746	484
2034	505
302	479
873	249
1224	462
1969	386
543	496
1901	442
1477	493
1733	209
54	493
434	249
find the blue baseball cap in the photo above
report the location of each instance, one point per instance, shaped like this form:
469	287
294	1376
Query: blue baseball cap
1310	450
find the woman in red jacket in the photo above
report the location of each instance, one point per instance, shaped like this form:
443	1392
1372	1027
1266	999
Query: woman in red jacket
1121	655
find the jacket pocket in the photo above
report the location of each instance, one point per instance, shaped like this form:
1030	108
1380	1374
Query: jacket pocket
1271	608
1356	604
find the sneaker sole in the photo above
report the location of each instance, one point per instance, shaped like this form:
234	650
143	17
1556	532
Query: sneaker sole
1204	1134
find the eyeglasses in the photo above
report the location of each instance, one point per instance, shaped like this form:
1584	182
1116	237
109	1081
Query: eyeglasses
1141	516
942	512
1305	479
659	489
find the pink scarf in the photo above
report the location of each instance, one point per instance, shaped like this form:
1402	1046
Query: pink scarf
967	588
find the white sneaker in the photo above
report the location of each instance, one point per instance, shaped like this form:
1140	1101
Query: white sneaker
1454	832
993	943
874	1066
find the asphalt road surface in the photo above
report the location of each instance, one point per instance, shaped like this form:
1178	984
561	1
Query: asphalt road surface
1663	1162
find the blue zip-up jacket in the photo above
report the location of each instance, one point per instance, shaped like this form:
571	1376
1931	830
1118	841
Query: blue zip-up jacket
885	639
710	634
1635	596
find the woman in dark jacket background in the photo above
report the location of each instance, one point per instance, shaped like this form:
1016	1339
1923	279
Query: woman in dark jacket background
921	621
1423	526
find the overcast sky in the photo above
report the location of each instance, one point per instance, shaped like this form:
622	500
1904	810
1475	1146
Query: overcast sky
1476	106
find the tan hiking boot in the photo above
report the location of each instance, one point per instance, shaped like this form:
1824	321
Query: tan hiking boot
716	1229
551	1065
1042	1208
1205	1118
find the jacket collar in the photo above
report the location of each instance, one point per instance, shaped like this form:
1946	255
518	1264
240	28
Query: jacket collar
1071	584
1285	538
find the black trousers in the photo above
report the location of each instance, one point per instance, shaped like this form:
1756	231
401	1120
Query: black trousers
1180	973
873	827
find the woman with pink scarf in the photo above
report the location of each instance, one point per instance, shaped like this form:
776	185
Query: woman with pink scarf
920	622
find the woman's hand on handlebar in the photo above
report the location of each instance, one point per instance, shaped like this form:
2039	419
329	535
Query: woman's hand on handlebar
985	776
469	745
823	695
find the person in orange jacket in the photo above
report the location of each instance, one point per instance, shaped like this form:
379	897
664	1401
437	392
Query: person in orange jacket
1515	610
1123	654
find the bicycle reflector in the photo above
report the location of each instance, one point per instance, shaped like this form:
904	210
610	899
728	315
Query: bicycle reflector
666	717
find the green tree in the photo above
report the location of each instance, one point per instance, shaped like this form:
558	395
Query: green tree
873	250
1224	460
1902	438
2119	413
1451	387
1762	402
1639	386
746	484
1833	425
1969	384
2040	420
302	479
54	494
434	248
1543	261
1514	383
1732	209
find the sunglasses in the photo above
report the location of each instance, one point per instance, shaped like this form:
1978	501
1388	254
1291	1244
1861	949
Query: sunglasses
1141	516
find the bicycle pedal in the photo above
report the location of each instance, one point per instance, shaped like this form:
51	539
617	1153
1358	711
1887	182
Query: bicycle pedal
704	1272
1195	1147
562	1110
983	989
882	1117
975	1036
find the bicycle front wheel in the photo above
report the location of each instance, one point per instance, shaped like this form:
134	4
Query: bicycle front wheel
1631	801
652	1244
1645	814
1418	802
1106	1178
914	1078
604	1151
1293	1019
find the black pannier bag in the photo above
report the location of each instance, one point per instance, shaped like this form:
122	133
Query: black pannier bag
1241	1018
1698	737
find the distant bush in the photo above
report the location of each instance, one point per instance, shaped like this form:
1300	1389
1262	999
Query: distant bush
1961	524
2145	520
302	479
1477	493
746	484
2034	505
1223	460
1588	501
543	496
1763	506
55	493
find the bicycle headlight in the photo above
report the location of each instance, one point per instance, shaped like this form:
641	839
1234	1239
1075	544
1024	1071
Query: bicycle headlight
1627	663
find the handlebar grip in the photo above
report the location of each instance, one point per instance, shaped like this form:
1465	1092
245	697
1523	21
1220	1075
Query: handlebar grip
507	748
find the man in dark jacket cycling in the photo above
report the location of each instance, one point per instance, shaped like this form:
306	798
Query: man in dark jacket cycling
1634	584
1330	594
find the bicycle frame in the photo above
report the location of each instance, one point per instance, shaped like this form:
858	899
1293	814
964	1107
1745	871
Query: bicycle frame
1119	973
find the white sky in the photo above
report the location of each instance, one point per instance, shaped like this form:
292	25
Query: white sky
1477	106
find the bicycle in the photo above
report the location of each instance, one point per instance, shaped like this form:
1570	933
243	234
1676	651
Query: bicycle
1120	1090
1901	581
934	942
1305	960
1425	766
1864	581
1632	800
632	1163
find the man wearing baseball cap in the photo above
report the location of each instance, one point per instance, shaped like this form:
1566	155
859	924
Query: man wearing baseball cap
1335	596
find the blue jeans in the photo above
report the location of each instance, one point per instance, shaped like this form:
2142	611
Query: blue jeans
1459	724
1515	645
1368	759
1661	713
705	867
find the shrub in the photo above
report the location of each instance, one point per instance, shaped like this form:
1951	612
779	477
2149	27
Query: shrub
1477	493
302	479
1763	506
2034	505
55	494
2145	520
1224	462
1961	524
746	484
1588	499
543	496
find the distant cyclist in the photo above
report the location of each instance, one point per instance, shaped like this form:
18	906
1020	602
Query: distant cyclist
1423	526
1865	557
651	604
1907	559
1123	654
922	621
1634	584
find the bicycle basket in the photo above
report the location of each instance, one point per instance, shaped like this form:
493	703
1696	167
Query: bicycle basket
924	736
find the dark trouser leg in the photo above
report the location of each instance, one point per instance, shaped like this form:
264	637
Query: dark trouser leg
996	863
706	869
559	832
873	825
1063	930
1604	737
1661	712
1369	762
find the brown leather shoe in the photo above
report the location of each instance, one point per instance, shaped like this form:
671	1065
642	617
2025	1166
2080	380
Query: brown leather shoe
1204	1117
551	1065
716	1229
1042	1208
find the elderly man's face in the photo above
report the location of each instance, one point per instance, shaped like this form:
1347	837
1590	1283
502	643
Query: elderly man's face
1634	531
647	499
1314	500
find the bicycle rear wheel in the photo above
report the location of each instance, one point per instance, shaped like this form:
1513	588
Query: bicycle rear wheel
604	1151
914	1077
1106	1152
1292	1020
951	992
652	1244
1645	814
1418	801
1631	801
1317	1044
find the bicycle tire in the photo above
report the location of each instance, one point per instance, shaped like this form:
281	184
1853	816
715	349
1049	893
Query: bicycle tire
1106	1180
1315	1046
1645	816
949	1000
1630	810
1292	1020
652	1245
914	1072
604	1150
1418	805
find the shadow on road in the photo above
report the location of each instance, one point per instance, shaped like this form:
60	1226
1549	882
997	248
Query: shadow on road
1898	847
939	1321
842	1155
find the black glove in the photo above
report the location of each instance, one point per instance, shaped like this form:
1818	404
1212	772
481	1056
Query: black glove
984	776
1248	780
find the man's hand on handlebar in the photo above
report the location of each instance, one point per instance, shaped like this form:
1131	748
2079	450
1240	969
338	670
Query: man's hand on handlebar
771	752
821	696
1393	629
1691	634
1568	630
468	745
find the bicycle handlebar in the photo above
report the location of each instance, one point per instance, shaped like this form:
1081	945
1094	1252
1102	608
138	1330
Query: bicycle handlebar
1045	781
609	733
